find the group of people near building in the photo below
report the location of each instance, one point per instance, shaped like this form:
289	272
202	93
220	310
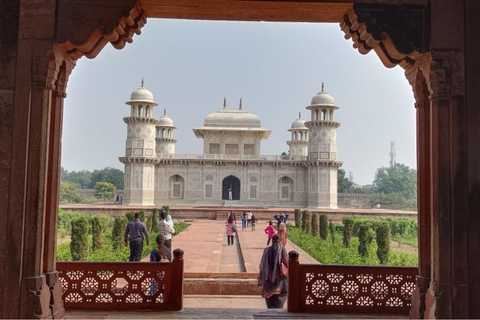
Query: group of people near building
136	231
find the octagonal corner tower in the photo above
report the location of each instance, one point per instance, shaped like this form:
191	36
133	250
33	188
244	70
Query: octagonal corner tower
322	152
140	153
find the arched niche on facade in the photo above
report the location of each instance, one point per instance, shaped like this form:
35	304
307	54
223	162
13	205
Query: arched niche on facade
177	187
233	183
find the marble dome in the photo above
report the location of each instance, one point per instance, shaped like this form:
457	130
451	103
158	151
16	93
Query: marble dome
323	99
299	124
142	95
165	121
232	118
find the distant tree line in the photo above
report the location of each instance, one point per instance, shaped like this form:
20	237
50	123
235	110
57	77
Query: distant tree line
393	187
104	181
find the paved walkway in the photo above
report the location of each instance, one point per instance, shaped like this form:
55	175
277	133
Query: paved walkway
205	248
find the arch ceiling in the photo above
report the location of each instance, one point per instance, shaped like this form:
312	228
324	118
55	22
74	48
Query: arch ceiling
395	29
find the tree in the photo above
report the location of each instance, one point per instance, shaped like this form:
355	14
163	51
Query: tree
68	193
108	174
104	190
81	178
344	185
396	179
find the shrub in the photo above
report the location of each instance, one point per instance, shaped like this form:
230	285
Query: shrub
315	224
304	219
130	215
166	209
79	242
119	225
142	215
323	226
154	222
365	238
383	242
331	229
298	218
97	231
308	222
148	224
347	230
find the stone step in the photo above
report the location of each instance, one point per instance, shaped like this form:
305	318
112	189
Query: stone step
221	284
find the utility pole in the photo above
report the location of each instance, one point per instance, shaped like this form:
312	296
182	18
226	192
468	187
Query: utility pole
392	153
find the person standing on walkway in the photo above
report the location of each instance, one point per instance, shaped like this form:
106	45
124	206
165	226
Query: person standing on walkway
230	230
270	231
249	217
165	229
232	214
252	222
281	218
134	233
244	220
274	284
282	232
230	193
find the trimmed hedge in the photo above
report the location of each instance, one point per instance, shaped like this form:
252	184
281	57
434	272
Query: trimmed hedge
331	229
347	230
304	219
298	218
315	224
308	222
383	242
97	233
79	241
323	226
365	239
119	225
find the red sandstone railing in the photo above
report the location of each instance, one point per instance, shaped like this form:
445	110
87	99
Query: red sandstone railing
344	289
123	285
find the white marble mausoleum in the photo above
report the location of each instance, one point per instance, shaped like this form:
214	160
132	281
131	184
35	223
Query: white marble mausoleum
156	175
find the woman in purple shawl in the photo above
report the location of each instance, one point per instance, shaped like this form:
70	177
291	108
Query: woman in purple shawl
274	285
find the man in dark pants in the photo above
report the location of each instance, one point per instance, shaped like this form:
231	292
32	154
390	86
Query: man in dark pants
165	229
136	230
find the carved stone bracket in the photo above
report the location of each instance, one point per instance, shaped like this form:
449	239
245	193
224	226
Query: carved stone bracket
41	296
398	34
89	26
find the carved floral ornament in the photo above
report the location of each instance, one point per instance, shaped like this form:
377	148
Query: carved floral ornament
117	32
398	34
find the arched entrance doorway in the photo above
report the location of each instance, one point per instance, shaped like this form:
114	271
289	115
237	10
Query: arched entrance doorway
34	85
233	183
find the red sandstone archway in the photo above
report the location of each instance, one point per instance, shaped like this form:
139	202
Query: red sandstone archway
50	40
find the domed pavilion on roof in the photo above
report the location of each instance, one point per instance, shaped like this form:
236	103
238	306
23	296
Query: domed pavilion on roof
231	159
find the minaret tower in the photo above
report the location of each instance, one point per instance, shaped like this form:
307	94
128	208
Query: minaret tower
164	136
299	142
322	152
140	153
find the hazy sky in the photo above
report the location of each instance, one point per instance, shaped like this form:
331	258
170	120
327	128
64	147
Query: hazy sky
276	68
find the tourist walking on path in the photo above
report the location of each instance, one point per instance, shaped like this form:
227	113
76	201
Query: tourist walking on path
232	214
252	222
282	232
161	253
270	231
230	230
274	284
244	220
165	229
134	233
249	217
281	218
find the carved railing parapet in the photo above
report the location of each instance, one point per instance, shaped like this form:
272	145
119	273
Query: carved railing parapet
123	285
350	289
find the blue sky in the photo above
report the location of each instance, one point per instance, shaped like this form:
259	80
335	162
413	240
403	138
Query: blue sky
276	68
